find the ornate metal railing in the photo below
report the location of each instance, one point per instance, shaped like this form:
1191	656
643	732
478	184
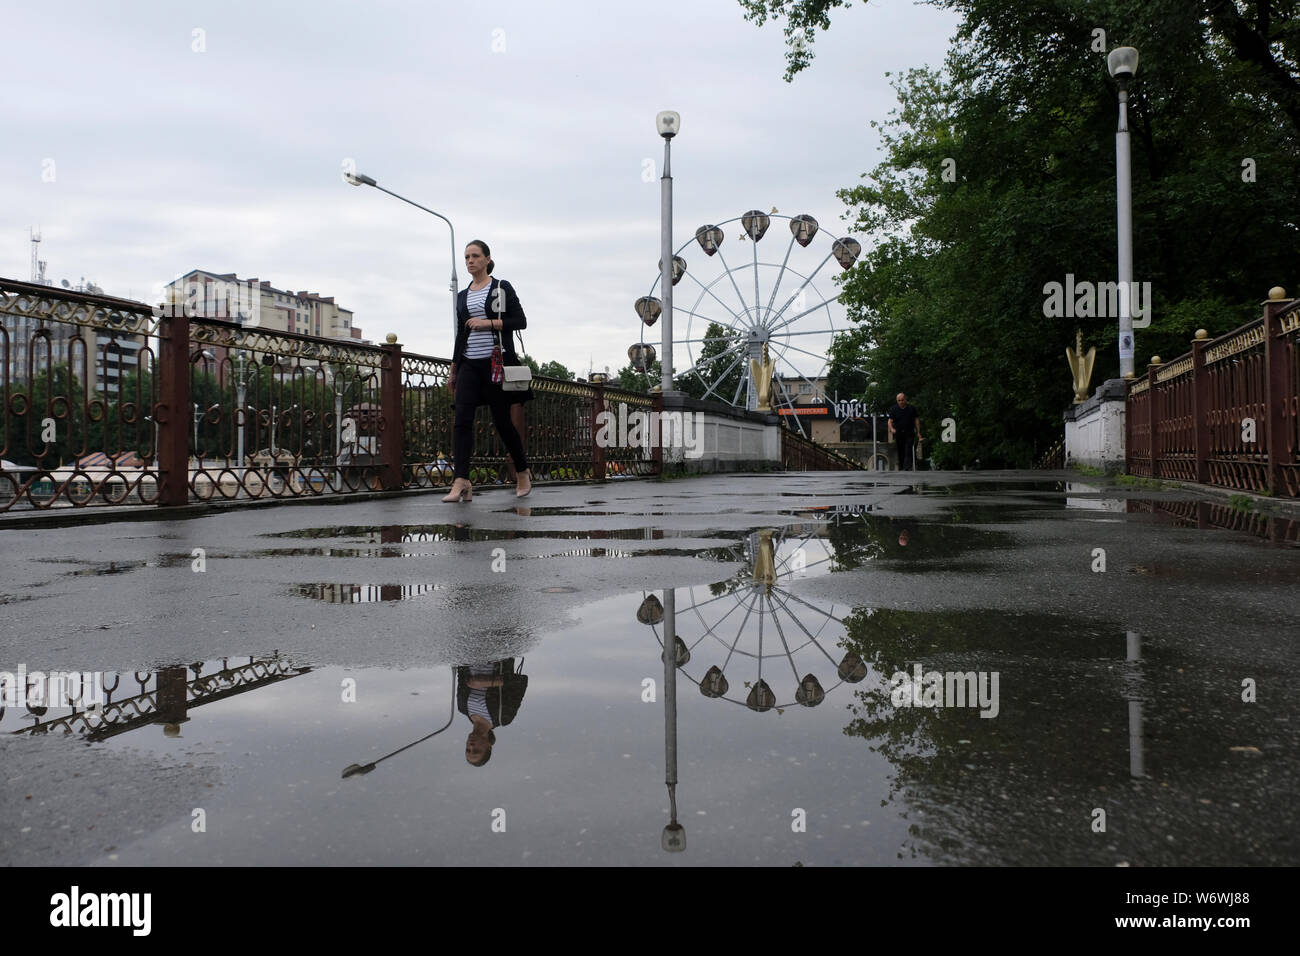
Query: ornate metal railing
1228	412
202	409
802	454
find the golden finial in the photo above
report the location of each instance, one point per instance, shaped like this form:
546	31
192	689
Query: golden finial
761	373
1277	292
391	338
1080	367
1202	334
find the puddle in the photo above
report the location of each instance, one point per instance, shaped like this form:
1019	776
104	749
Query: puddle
120	567
779	700
395	534
598	751
364	593
1218	515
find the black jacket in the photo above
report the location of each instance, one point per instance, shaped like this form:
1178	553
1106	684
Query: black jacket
502	702
512	320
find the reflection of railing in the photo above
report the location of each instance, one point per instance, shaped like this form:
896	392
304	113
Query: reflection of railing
1204	514
163	697
802	454
1228	412
225	411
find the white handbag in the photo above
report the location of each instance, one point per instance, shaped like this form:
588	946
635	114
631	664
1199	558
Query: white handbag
515	378
518	378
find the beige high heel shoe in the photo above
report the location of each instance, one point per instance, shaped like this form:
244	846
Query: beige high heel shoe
527	491
461	490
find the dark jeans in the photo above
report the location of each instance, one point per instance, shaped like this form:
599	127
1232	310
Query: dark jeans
474	387
905	445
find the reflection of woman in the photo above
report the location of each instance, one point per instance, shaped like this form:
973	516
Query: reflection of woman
489	695
470	380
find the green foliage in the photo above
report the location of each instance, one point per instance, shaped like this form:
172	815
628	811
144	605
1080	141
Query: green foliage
804	18
1089	471
1138	481
715	360
630	380
555	370
1241	503
999	177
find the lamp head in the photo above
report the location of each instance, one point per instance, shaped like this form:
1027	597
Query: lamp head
359	179
1122	63
668	123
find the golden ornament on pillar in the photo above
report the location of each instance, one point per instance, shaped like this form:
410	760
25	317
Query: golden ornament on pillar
1080	367
761	373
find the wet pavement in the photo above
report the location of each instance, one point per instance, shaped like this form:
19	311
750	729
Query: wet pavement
922	670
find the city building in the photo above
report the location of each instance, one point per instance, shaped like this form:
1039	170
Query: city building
255	303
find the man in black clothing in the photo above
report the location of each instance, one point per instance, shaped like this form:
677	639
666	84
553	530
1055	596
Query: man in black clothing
905	430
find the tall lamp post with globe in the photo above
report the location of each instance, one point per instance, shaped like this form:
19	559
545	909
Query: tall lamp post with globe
1122	63
668	124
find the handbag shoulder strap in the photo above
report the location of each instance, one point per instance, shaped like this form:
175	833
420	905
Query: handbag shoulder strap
496	284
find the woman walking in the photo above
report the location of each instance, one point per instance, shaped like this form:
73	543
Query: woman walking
488	313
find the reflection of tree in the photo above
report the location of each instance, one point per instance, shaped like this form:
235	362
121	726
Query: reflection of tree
994	790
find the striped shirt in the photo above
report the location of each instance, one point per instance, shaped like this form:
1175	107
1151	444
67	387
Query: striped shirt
481	342
477	703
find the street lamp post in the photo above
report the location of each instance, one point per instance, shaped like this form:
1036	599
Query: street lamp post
357	179
668	123
334	380
1122	63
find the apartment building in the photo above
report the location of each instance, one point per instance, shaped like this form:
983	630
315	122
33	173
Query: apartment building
256	303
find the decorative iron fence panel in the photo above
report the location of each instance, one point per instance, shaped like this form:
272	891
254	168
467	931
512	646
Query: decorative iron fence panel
1227	413
202	409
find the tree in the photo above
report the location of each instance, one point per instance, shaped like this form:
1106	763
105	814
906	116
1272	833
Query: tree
630	380
721	375
555	370
998	179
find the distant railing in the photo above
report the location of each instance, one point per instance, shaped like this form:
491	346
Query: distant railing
1228	412
1054	457
202	409
802	454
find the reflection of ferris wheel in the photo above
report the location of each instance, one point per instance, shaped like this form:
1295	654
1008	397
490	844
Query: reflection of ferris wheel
752	307
756	629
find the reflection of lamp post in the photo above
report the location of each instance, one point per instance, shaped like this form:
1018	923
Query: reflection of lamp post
668	124
353	769
1133	657
1122	63
674	835
357	179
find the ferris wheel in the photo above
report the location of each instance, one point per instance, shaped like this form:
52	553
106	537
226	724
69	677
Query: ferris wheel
785	310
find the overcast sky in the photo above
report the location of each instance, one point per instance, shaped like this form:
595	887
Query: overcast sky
528	124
